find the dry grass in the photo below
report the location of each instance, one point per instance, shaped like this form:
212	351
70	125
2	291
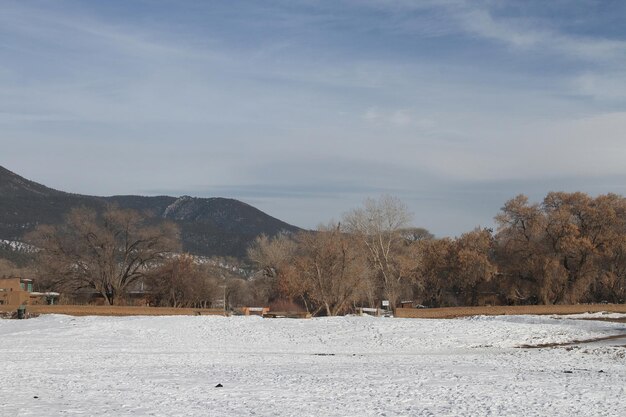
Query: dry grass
452	312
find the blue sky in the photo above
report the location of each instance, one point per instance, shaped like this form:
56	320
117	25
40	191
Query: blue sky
305	108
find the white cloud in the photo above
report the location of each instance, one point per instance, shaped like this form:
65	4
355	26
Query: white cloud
523	34
477	18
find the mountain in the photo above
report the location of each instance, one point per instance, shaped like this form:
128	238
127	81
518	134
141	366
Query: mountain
209	226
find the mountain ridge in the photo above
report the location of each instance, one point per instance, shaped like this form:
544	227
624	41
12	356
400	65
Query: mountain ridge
214	226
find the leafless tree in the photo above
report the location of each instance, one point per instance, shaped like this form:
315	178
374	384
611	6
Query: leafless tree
330	270
380	226
181	282
473	263
568	249
272	257
434	271
106	252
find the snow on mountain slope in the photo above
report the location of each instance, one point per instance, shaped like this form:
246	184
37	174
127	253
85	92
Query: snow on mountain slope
17	246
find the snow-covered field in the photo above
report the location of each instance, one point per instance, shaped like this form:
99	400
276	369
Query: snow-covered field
349	366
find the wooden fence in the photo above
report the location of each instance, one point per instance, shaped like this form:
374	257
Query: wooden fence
89	310
452	312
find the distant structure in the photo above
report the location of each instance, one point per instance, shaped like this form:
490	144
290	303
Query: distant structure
19	291
254	311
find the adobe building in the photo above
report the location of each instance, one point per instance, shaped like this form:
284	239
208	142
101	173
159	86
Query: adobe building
19	291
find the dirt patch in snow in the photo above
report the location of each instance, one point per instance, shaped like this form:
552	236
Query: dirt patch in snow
575	342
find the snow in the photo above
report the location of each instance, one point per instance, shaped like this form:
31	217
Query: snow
599	315
174	209
18	246
345	366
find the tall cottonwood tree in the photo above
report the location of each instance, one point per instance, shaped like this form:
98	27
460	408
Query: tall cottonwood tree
568	249
451	271
521	253
473	263
106	252
380	226
435	271
330	270
272	257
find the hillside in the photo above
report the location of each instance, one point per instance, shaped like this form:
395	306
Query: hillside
209	226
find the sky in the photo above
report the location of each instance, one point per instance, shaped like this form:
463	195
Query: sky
305	108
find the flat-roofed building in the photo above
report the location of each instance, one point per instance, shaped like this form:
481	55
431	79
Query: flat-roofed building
19	291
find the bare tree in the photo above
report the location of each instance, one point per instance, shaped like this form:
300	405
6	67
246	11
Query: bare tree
473	264
330	270
523	265
272	257
568	249
107	252
434	271
181	282
380	226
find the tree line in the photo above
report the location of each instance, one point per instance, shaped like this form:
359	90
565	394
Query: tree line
570	248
